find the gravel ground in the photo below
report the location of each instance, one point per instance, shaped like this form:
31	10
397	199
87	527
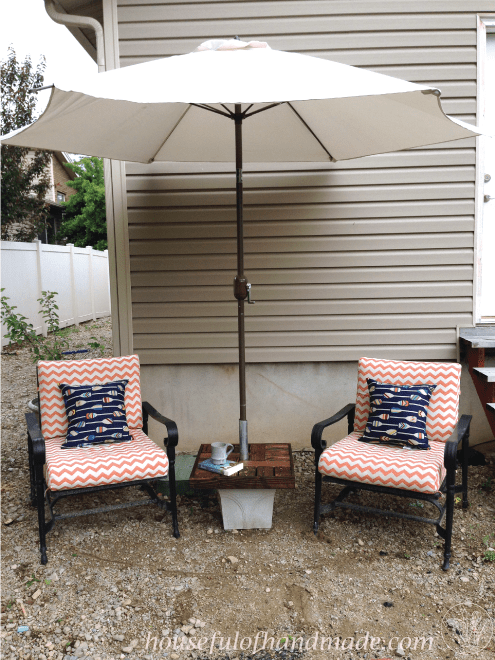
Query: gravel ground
115	582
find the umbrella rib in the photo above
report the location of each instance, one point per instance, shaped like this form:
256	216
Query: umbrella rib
247	110
40	89
197	105
203	106
267	107
231	114
311	131
170	132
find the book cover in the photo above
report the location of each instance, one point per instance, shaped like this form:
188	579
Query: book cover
224	468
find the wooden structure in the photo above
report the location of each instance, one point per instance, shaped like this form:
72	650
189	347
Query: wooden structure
478	343
269	466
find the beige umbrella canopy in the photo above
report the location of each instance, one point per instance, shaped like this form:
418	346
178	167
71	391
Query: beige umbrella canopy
284	107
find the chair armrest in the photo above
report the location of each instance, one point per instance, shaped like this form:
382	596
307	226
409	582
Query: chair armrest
316	441
172	431
37	440
459	434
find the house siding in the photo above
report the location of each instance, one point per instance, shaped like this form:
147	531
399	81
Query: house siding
371	256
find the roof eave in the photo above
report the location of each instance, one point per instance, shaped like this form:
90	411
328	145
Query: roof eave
91	8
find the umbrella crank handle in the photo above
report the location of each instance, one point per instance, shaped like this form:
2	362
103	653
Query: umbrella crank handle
242	289
248	287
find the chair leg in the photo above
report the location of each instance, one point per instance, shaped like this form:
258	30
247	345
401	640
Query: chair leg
32	481
449	519
318	480
465	449
40	501
173	490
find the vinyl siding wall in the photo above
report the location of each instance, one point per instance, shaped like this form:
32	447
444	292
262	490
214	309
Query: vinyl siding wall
366	257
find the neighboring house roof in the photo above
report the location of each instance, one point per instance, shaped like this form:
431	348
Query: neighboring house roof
59	175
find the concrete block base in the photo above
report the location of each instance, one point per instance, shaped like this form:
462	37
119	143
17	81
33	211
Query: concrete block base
247	509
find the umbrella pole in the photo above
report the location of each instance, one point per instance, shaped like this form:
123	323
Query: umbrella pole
240	288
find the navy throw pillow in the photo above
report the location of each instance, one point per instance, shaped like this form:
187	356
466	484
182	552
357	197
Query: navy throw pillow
398	414
96	414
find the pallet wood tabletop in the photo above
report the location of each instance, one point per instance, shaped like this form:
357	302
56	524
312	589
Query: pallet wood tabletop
269	466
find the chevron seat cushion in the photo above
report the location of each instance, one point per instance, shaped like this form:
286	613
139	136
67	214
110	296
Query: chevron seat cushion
443	409
383	465
85	372
104	464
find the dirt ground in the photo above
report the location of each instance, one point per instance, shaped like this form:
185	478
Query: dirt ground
118	585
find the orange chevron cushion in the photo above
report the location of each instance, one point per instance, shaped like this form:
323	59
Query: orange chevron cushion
394	467
444	403
103	464
85	372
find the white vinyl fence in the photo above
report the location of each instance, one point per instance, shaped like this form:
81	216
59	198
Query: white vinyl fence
78	275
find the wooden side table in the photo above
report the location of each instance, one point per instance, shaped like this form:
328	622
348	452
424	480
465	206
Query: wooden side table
247	496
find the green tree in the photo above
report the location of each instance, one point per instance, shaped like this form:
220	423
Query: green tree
85	218
25	179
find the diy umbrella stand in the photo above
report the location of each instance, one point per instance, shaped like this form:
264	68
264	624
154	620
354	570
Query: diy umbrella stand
319	111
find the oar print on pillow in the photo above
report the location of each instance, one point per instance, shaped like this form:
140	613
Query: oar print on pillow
398	414
95	413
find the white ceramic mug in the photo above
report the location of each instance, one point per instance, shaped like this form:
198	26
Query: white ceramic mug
220	451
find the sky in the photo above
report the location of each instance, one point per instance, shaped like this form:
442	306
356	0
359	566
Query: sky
27	27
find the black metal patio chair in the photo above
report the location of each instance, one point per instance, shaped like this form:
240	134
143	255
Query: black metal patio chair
425	475
58	470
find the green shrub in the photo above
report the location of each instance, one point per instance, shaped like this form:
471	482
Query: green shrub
19	330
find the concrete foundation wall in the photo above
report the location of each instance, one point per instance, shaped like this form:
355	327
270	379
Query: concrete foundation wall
284	401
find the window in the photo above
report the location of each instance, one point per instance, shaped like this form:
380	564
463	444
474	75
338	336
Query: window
60	196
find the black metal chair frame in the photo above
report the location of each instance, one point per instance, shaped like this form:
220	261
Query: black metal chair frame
39	492
448	487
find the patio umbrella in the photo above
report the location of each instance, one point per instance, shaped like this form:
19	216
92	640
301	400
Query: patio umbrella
284	107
